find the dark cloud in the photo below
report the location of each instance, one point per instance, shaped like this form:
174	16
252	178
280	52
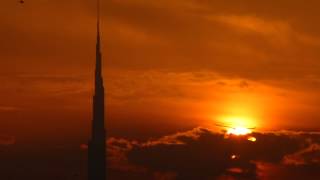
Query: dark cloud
244	84
307	156
7	140
203	154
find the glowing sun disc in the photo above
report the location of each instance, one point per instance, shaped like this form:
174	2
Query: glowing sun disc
239	131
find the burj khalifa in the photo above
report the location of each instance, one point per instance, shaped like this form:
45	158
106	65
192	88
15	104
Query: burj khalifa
97	143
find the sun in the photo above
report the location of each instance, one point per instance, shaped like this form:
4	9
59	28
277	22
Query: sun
238	131
237	125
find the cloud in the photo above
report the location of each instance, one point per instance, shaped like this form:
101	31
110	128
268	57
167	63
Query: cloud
6	140
309	155
254	24
9	109
203	154
230	39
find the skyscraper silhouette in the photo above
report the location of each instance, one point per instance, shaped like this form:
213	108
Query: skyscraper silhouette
97	143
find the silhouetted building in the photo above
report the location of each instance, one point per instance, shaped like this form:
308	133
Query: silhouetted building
97	143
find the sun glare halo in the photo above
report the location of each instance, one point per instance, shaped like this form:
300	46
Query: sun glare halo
238	131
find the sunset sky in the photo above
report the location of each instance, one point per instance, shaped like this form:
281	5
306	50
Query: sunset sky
169	66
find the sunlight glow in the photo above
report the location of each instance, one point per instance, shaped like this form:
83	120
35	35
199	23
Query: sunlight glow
251	138
234	157
237	121
239	131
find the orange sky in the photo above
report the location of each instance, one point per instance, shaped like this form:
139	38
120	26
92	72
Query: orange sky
181	63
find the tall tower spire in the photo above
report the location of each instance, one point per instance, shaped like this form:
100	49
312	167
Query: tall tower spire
98	43
97	143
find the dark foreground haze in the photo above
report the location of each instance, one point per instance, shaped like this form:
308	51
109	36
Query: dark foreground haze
190	155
